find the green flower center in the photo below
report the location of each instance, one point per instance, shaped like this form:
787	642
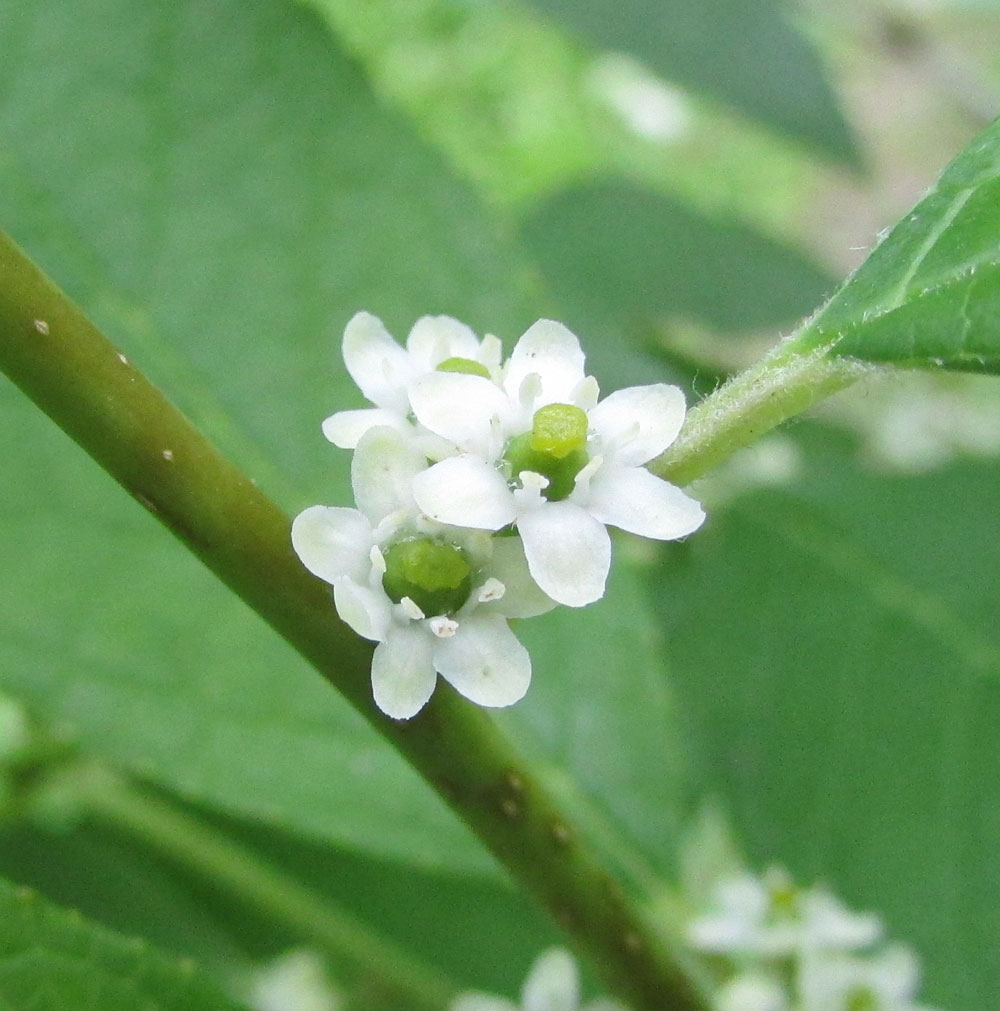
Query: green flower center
784	897
556	448
437	577
861	998
464	365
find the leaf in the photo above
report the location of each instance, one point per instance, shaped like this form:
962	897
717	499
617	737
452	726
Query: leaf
443	920
748	55
218	188
613	255
118	883
51	960
836	650
929	294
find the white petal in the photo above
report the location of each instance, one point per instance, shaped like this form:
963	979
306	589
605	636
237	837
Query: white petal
553	984
568	552
403	675
333	542
481	1002
380	367
634	500
465	491
896	972
367	611
467	410
827	923
484	661
382	472
639	422
435	338
752	991
548	349
522	598
345	428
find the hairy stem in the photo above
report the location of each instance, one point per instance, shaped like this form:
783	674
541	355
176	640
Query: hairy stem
237	870
61	361
784	383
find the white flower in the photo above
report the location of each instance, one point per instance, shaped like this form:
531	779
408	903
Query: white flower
771	917
457	629
384	371
296	981
745	920
840	982
553	984
562	497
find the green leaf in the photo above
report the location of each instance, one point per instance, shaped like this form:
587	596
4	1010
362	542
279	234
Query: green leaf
442	921
111	880
746	54
837	653
51	960
116	881
929	294
221	213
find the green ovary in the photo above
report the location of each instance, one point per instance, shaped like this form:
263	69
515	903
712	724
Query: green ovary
435	576
464	365
556	448
861	998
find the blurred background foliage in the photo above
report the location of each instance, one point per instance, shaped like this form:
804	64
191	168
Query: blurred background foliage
222	186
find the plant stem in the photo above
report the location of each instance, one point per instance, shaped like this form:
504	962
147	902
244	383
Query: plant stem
238	870
785	382
61	361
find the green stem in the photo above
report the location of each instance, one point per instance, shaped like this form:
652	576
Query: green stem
238	870
83	383
787	381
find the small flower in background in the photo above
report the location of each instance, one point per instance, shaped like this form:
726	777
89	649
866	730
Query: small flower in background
777	947
648	106
539	452
839	982
553	984
752	991
770	916
436	600
917	421
295	981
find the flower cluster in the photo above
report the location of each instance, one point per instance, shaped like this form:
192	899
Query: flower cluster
784	948
484	490
553	984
